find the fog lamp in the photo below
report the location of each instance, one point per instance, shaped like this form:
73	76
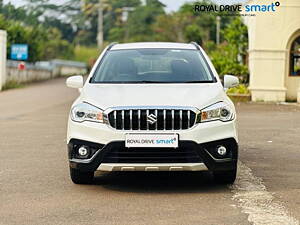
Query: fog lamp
83	151
221	150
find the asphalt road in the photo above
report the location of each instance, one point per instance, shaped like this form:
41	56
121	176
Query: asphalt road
35	187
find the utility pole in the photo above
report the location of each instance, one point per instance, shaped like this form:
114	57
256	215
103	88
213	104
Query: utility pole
218	30
100	25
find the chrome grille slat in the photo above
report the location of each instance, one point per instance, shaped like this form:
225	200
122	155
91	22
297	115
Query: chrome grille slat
180	120
189	116
141	118
123	120
115	118
147	114
173	122
164	127
156	113
130	118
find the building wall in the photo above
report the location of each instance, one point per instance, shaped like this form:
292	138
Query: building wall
2	57
42	70
270	37
30	74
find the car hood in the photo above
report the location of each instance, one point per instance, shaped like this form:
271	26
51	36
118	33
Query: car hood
193	95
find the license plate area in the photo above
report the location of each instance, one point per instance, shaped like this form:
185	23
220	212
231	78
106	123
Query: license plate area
151	140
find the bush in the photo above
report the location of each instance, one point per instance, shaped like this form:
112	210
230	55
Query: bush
241	89
86	54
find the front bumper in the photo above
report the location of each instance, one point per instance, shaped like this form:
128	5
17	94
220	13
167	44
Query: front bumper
190	156
201	139
104	134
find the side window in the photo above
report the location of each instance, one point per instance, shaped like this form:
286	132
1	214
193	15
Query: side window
295	58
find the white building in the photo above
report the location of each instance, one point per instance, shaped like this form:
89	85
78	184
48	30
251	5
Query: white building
274	52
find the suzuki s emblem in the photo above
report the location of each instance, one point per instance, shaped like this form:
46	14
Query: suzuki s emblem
152	119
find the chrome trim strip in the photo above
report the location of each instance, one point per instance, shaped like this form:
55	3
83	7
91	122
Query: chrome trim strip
194	109
152	167
218	160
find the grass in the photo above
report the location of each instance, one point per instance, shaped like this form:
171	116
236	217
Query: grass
11	85
86	54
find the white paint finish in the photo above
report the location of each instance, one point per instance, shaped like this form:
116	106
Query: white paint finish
75	81
200	133
141	45
195	95
3	40
254	199
230	81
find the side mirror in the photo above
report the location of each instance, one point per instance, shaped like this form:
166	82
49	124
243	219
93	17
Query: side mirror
230	81
75	82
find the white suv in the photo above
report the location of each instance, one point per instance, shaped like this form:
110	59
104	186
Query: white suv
152	107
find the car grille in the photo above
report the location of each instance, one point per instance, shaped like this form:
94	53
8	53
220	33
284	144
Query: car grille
152	119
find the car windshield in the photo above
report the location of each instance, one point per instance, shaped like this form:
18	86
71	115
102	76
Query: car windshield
153	66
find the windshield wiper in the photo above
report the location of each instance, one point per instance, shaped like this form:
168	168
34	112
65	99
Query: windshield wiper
150	82
199	81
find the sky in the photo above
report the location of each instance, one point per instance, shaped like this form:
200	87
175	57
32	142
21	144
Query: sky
171	5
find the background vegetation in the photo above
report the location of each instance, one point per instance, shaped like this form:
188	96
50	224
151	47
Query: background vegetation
69	30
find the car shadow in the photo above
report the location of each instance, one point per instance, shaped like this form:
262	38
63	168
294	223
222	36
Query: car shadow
158	182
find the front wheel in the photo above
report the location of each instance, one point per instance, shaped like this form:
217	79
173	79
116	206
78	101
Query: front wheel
79	177
225	177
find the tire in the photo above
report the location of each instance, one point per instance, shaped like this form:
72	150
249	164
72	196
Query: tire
225	177
81	177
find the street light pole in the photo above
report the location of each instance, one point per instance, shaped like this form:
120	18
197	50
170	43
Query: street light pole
100	25
218	30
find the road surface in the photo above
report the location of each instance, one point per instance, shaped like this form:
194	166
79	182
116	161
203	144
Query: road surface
35	187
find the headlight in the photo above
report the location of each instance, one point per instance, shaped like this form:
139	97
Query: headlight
86	112
218	111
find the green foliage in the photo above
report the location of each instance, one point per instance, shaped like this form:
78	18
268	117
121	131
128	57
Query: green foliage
193	33
241	89
140	21
43	43
52	30
224	62
168	28
12	85
230	57
86	54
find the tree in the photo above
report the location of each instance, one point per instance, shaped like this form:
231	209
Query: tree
169	28
236	34
140	21
230	57
113	25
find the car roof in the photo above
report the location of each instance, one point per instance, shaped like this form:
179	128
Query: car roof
143	45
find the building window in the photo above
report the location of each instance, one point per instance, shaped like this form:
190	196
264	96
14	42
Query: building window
295	58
